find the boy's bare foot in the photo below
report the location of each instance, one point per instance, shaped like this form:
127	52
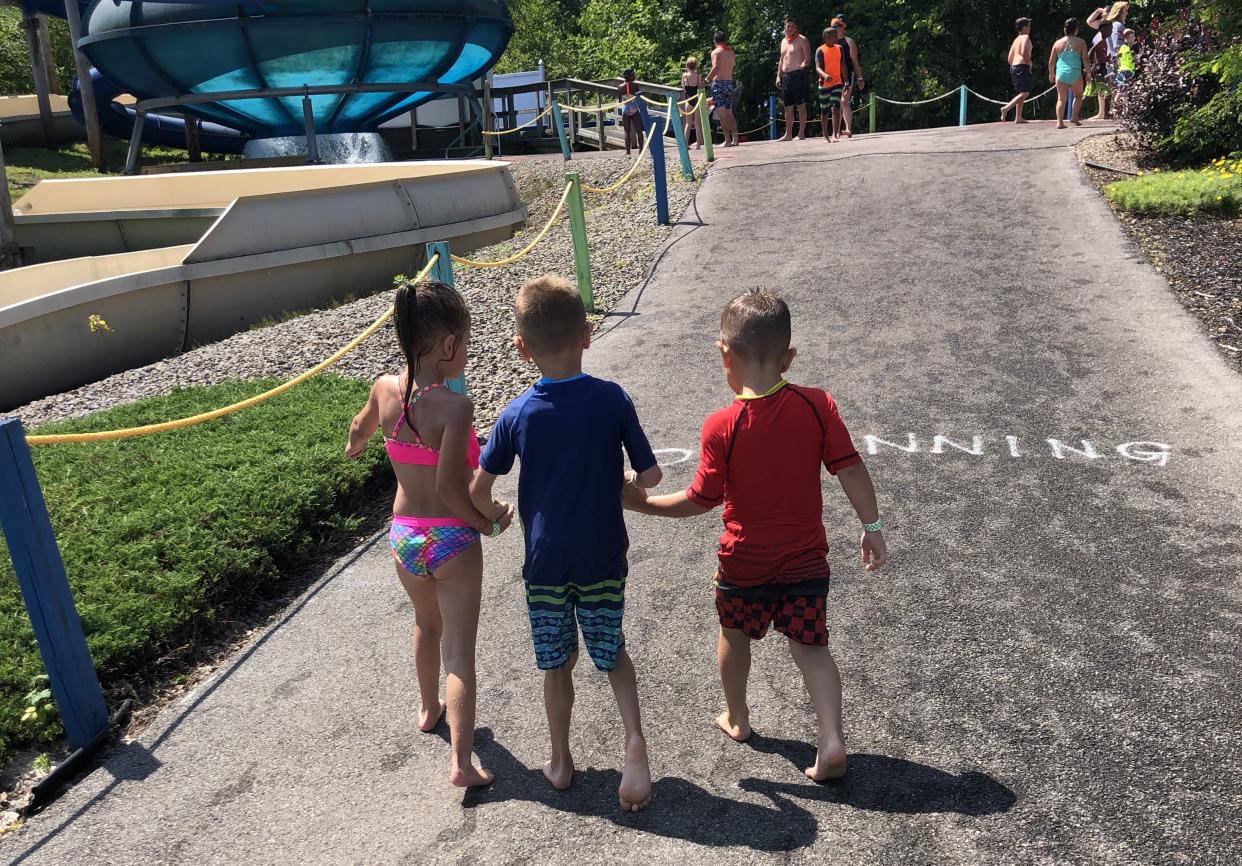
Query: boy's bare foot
739	731
635	789
1076	122
471	776
559	773
1021	120
1061	126
829	763
429	717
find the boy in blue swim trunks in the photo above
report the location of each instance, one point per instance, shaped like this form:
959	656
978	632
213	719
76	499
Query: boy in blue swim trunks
569	430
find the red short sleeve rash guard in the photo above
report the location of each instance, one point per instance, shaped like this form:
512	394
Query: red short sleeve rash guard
761	457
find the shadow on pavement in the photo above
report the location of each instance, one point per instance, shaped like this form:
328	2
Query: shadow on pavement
683	810
879	783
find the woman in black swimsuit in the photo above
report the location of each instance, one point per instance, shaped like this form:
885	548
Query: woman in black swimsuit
691	81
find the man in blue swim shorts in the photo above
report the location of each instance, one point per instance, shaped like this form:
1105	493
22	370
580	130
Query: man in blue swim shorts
570	431
721	87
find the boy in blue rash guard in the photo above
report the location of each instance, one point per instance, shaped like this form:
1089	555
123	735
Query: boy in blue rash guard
569	430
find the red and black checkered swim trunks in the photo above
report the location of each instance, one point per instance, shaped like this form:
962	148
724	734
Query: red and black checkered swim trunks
798	610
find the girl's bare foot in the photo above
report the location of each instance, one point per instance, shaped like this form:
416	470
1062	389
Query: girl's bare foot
635	790
429	717
559	773
471	776
1021	120
829	762
1076	122
1060	126
739	730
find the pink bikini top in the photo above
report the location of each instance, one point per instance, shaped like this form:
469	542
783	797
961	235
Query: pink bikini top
419	453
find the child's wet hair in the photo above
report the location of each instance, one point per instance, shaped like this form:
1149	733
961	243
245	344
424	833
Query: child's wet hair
756	326
1071	26
424	313
550	316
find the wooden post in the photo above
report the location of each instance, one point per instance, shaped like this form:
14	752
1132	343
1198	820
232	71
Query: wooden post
38	71
558	120
582	251
461	121
674	112
192	142
49	54
94	137
414	129
655	129
45	590
705	125
599	119
489	124
10	252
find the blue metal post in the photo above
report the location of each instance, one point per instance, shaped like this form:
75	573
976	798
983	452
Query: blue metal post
443	271
772	117
1069	104
961	110
655	129
679	133
45	589
559	120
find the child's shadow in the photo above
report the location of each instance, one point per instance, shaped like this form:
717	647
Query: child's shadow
683	810
679	809
883	784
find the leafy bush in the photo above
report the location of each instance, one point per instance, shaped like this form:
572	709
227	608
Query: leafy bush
15	77
1216	189
159	533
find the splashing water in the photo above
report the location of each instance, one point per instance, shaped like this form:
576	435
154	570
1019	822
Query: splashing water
348	148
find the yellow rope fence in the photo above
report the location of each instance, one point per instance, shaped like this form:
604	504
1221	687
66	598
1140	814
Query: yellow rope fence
638	161
530	123
593	109
164	427
560	206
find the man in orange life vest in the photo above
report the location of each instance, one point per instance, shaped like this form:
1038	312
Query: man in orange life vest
829	64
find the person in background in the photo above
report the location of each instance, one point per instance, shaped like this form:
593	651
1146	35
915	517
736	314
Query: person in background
1066	70
691	82
853	75
830	67
791	78
1098	61
1125	59
1019	71
720	88
631	119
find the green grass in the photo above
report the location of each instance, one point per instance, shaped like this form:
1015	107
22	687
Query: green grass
1215	189
160	533
26	166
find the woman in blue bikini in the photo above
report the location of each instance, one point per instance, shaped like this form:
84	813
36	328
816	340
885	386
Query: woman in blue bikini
1068	72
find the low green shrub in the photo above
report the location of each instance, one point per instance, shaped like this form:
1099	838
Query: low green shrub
1216	189
160	533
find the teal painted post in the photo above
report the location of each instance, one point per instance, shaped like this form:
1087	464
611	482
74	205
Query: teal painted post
443	271
656	131
559	120
772	117
45	590
705	126
582	251
871	121
679	132
961	107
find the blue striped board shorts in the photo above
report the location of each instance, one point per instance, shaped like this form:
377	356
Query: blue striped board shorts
557	611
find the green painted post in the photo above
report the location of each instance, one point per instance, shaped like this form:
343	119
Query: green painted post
582	253
559	120
705	125
443	272
679	132
871	123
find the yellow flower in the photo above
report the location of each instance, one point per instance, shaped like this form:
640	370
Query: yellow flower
1141	173
98	323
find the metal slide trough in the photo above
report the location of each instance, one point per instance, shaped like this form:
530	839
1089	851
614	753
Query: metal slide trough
281	239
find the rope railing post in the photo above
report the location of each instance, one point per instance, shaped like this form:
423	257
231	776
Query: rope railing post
961	106
489	119
45	591
582	252
705	129
679	133
1069	104
442	270
656	145
771	117
559	120
871	113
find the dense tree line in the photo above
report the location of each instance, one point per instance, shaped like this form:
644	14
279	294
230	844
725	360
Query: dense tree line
911	49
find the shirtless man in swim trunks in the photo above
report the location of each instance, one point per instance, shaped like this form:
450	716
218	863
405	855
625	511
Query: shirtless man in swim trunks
791	78
720	88
1019	70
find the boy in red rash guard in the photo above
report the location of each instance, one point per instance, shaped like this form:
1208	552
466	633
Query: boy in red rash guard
761	457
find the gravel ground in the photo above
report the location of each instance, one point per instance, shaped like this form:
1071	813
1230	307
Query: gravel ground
624	238
1198	256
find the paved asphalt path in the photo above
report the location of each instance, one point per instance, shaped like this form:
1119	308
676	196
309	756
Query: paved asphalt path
1046	672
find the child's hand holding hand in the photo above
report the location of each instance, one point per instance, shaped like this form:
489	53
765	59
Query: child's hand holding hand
632	495
505	514
874	550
